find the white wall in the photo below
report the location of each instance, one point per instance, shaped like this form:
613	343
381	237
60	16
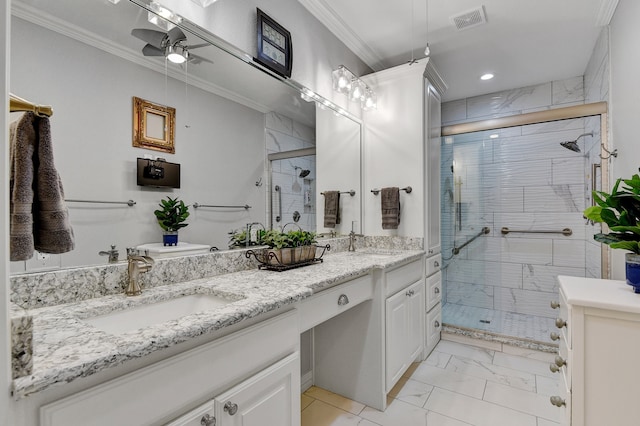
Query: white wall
625	100
316	51
5	351
222	152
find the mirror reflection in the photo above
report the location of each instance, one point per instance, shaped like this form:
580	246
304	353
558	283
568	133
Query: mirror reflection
229	116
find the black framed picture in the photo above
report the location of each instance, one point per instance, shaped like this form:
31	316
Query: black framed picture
274	45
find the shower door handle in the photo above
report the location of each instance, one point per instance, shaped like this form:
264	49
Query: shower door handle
279	203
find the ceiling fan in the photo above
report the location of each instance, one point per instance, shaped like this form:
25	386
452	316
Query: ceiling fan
172	45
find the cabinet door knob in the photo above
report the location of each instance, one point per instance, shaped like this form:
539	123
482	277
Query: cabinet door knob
554	368
430	251
560	323
560	361
436	290
554	336
343	300
231	408
554	304
208	420
436	324
557	401
436	264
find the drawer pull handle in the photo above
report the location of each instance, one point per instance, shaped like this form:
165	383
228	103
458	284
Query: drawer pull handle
560	323
208	420
436	324
436	264
230	408
554	336
554	304
436	290
560	361
343	300
554	368
557	401
430	251
410	293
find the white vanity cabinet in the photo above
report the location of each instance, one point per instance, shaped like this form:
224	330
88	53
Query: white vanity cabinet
256	370
404	328
433	298
599	342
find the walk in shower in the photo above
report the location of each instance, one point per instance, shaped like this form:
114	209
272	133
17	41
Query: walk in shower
512	202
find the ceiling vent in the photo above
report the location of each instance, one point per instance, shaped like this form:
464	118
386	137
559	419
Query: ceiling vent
469	19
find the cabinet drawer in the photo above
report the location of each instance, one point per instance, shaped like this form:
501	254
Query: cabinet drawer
564	395
433	264
434	290
329	303
565	315
433	328
403	276
196	417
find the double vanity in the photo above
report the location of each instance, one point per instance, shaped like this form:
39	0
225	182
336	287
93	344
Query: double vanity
226	347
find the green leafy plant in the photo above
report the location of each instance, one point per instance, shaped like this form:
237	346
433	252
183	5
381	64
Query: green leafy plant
172	214
620	211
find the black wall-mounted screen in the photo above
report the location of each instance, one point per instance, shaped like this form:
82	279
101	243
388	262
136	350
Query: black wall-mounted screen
159	174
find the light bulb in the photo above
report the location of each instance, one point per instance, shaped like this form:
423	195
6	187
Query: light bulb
427	51
177	54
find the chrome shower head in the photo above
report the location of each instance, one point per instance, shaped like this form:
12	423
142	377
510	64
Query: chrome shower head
303	172
573	145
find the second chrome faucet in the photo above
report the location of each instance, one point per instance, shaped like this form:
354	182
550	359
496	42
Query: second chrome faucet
137	264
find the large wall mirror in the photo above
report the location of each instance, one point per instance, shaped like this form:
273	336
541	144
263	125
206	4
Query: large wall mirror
82	59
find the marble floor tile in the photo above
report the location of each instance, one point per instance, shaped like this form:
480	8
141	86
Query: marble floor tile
543	422
524	364
477	354
411	391
397	413
436	419
319	413
493	373
438	359
547	386
450	380
516	399
475	411
546	357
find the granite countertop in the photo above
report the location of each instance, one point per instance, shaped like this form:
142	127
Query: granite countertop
65	347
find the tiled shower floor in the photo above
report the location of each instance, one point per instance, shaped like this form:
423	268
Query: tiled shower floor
510	324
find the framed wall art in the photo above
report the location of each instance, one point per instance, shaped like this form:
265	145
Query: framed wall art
274	45
153	126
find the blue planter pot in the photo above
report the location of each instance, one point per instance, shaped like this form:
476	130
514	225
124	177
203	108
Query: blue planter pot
170	239
633	271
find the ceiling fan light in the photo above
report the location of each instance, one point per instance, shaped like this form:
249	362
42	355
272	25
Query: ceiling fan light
204	3
162	17
177	54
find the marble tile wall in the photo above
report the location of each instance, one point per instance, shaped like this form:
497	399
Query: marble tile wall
297	194
520	178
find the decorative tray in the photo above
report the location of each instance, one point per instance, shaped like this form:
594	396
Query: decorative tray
287	258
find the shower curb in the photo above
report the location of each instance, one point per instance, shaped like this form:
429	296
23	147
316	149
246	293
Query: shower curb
498	338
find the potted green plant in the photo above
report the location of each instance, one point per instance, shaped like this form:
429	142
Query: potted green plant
288	247
171	217
620	211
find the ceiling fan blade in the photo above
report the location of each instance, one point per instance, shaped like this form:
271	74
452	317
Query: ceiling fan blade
176	35
149	50
195	46
153	37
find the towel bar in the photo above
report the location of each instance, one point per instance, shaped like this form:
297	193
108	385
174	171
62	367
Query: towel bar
408	190
350	192
565	231
246	206
130	203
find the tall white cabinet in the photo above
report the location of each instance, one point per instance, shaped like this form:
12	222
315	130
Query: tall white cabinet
402	148
598	329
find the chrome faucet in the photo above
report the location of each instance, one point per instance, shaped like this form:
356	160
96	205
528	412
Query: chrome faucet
352	240
137	264
113	254
248	235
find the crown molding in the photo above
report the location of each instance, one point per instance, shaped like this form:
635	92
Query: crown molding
607	9
37	17
327	16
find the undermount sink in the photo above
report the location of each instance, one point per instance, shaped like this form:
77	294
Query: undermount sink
120	322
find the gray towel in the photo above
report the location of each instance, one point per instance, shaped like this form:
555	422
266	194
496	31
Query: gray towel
39	216
331	209
390	203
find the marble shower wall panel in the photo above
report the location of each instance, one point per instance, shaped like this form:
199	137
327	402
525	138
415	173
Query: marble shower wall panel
284	134
549	95
525	302
543	278
490	273
554	198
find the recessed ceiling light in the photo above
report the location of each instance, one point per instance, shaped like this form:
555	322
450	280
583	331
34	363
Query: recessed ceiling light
487	76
